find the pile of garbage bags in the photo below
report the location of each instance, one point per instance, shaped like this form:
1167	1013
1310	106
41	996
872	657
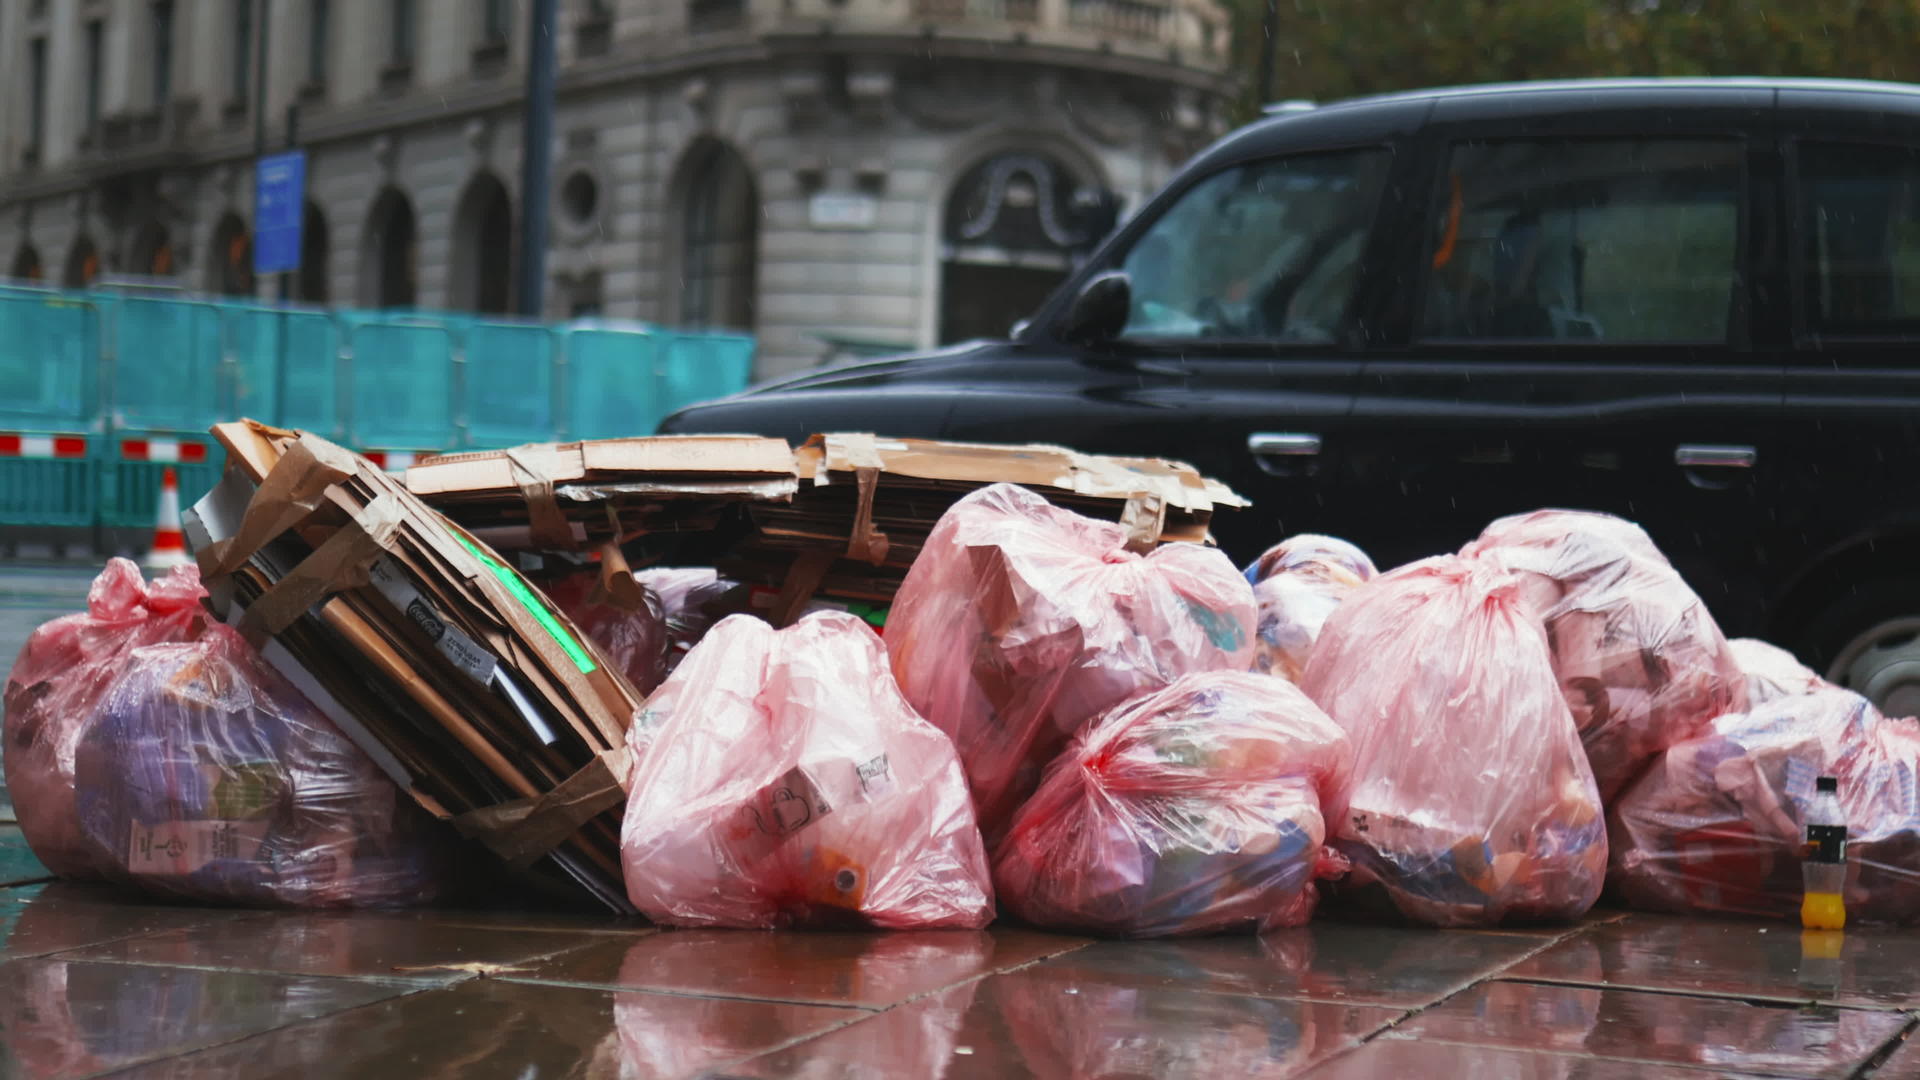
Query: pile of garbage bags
150	746
1062	724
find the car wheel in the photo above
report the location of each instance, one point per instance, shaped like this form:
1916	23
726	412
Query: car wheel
1869	643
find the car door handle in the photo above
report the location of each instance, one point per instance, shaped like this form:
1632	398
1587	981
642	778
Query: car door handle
1699	455
1283	443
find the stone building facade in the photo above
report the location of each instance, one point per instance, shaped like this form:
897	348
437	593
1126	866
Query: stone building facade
834	175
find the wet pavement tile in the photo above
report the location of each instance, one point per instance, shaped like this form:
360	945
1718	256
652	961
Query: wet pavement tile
17	863
1044	1021
40	919
489	1028
1352	963
1673	1029
365	944
1404	1058
61	1017
1751	960
871	970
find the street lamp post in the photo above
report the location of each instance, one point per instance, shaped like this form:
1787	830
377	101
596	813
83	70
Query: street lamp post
536	160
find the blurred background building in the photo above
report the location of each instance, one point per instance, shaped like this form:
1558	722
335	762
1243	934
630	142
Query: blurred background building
837	176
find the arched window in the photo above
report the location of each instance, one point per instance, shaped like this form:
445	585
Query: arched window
315	249
230	262
719	245
26	263
83	264
482	266
1014	225
387	257
152	251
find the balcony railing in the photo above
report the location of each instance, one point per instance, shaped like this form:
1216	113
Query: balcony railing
1013	11
1140	19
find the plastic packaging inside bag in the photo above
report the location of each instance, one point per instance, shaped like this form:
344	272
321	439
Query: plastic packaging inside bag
634	637
1303	580
1641	661
59	678
1772	672
1311	554
205	776
690	601
1718	823
1020	621
1190	810
780	779
1471	802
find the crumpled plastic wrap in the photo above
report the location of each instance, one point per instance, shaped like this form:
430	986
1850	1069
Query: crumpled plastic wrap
1772	672
1471	802
1020	621
62	672
1640	659
1718	823
1297	584
780	779
206	777
1191	810
636	639
1307	552
690	601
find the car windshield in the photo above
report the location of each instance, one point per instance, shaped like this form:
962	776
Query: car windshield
1268	249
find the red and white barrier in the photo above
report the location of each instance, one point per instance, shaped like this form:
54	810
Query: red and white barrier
18	445
169	451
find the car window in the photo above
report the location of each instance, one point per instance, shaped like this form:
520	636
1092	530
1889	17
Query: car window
1269	249
1860	222
1620	240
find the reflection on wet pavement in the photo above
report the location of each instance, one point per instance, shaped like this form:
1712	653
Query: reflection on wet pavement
1667	1028
94	981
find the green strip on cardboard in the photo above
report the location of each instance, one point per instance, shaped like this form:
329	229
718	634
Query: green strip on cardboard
535	606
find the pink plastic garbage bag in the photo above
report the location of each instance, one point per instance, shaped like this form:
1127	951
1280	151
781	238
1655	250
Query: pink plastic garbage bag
635	638
1305	578
1191	810
60	676
1020	621
207	777
1717	824
1471	802
780	779
1640	659
1772	672
1307	552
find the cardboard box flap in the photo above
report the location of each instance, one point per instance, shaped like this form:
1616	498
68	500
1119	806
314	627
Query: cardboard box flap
690	454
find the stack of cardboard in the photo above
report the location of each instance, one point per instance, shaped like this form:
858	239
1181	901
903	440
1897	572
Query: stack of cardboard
578	496
841	517
471	691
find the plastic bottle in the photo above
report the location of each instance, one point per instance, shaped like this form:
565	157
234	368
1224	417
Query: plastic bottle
1825	867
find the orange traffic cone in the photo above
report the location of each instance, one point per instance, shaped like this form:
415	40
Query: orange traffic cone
169	544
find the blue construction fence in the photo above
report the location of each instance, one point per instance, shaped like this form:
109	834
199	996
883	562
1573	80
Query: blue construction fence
101	391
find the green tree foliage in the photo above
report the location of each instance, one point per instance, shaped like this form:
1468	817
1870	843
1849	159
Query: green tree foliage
1330	49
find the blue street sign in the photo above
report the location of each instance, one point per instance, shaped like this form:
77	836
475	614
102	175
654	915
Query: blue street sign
279	204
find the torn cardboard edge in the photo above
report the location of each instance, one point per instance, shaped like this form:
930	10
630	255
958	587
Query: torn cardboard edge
491	471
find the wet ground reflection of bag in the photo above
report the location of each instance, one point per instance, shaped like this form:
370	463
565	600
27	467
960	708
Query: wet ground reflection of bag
1190	810
1641	661
58	680
207	777
1716	825
780	779
1471	802
1020	621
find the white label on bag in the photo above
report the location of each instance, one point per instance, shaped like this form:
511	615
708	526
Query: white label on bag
178	848
462	651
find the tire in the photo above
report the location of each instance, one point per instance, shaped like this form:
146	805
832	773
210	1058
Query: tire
1868	640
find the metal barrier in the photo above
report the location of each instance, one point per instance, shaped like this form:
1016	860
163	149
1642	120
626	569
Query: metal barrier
101	391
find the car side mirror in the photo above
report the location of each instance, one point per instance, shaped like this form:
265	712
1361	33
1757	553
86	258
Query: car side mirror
1100	311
